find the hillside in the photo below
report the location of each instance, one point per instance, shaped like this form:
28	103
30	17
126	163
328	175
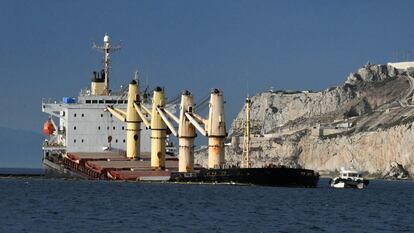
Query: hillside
366	123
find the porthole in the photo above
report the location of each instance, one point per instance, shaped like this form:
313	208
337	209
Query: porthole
74	115
83	115
99	127
101	115
116	140
123	127
107	127
74	140
113	127
74	128
82	141
123	141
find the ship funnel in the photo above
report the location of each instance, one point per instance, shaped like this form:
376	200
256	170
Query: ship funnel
98	83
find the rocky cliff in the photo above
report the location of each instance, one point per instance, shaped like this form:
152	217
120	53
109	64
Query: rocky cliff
365	123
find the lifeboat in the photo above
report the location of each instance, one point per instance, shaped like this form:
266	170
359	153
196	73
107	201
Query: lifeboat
48	127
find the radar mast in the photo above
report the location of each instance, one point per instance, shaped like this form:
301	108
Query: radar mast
107	49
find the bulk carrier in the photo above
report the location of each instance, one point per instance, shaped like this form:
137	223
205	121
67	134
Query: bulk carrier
99	135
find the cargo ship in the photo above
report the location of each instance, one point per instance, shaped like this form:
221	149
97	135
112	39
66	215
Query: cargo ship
99	135
81	128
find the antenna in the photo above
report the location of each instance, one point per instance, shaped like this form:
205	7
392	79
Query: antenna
136	76
247	81
247	87
107	48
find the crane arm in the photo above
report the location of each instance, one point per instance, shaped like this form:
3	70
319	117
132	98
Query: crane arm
167	122
199	118
142	115
146	109
196	124
117	114
171	115
120	111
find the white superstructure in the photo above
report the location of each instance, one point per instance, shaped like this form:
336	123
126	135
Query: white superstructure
84	124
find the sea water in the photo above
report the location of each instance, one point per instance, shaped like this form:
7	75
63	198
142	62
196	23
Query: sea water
58	205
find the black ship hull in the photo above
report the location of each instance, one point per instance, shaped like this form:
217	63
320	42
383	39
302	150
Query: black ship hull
269	176
276	176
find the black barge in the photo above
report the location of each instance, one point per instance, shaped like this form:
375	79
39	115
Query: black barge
272	176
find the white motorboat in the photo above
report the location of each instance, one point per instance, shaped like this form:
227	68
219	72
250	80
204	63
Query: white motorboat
349	178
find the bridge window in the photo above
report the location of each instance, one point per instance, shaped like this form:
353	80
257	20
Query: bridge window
101	101
94	101
88	101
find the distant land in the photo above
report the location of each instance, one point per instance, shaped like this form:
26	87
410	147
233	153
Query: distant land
20	148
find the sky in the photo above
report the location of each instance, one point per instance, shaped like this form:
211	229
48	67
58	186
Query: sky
241	47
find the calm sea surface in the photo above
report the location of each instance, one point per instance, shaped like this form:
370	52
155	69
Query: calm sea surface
53	205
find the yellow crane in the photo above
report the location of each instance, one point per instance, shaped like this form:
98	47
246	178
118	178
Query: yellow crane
246	139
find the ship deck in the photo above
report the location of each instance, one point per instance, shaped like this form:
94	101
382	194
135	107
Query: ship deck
78	156
114	165
127	165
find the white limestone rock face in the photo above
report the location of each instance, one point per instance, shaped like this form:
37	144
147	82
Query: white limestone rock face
373	152
365	123
272	110
372	73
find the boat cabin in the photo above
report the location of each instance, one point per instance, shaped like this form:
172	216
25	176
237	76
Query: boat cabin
345	174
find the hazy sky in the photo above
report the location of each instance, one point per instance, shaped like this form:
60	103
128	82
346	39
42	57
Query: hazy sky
45	46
